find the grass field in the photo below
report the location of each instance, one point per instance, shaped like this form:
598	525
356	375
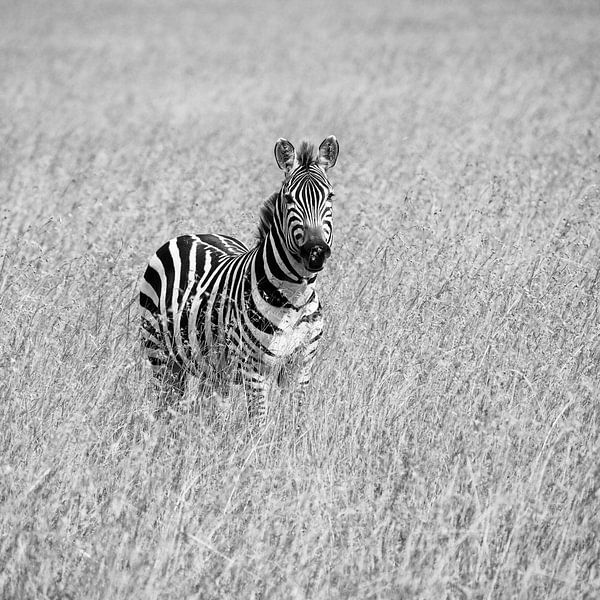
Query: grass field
452	441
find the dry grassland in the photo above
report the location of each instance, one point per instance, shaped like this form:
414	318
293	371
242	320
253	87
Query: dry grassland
452	442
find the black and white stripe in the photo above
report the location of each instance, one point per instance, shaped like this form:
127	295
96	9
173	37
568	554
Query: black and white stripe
213	308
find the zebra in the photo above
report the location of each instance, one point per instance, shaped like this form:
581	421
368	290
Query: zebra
214	308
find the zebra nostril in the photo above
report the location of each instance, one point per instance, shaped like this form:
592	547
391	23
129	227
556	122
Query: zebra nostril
316	258
316	254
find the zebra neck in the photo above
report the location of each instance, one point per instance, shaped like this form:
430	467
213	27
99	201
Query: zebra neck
280	278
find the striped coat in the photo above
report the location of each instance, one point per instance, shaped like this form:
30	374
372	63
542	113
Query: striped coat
213	308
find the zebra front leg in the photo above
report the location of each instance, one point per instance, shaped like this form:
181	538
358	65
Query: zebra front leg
305	365
299	393
169	379
257	387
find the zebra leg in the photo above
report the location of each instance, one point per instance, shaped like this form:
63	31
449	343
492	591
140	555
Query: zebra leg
305	364
258	387
169	380
302	380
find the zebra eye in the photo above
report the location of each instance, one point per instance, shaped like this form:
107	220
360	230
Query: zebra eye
288	198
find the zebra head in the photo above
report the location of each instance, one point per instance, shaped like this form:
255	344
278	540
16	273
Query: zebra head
305	200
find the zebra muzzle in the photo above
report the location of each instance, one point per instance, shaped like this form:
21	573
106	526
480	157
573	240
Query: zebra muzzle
315	255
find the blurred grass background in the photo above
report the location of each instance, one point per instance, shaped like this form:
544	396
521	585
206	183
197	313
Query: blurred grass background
452	438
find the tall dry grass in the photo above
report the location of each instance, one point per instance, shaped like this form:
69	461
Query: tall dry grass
450	447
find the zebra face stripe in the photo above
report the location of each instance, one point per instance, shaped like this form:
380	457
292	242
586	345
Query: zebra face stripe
306	206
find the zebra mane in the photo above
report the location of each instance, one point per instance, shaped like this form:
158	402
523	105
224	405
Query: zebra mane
306	154
267	210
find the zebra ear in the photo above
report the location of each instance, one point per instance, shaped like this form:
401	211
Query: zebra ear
285	154
328	152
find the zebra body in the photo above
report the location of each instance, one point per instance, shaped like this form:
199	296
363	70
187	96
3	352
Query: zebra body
214	308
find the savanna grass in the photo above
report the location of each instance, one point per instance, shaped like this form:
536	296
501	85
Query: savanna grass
449	448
